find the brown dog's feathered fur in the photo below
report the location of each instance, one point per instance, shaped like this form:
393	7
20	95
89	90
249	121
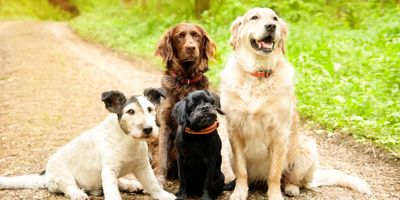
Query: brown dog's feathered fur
170	50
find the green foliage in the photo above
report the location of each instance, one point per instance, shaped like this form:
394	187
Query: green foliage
32	10
346	53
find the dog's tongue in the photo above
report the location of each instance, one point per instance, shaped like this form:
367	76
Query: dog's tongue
264	45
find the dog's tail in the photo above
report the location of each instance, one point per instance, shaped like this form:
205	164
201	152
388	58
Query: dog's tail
335	177
22	182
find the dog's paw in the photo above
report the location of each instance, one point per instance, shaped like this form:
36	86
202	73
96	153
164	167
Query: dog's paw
206	197
238	195
181	195
292	190
79	195
164	195
275	196
134	186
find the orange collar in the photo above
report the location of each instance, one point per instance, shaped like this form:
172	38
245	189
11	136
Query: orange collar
205	131
186	81
262	74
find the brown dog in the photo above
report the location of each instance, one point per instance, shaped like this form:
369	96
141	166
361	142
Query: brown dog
185	49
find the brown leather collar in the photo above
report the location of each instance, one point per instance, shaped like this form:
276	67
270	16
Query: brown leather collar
262	74
205	131
186	81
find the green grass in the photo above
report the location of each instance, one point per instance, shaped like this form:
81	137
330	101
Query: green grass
346	54
30	10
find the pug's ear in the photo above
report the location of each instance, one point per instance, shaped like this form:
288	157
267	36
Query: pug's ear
179	113
216	102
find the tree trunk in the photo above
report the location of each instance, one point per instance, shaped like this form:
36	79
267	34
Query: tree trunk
66	6
159	5
126	3
328	2
143	4
200	7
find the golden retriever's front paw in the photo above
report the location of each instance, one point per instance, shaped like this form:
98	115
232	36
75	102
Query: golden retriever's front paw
275	196
238	195
292	190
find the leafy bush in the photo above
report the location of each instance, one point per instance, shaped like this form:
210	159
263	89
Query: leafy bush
346	53
32	10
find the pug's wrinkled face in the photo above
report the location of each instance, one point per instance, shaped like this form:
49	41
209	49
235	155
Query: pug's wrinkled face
198	110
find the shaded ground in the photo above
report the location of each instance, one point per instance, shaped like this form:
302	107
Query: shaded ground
51	83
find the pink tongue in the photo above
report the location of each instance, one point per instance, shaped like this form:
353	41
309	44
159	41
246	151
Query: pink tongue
264	45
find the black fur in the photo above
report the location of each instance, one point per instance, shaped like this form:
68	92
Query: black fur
114	101
199	156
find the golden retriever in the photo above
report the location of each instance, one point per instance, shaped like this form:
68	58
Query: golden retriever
258	97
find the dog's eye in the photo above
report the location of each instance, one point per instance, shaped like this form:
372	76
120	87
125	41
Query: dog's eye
149	109
275	18
254	17
191	107
130	111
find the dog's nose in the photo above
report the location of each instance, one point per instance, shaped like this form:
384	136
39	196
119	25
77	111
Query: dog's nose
147	130
270	27
205	108
190	48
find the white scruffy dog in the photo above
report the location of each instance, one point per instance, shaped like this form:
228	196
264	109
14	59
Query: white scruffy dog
95	161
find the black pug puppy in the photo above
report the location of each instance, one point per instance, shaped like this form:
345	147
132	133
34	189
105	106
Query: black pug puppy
199	145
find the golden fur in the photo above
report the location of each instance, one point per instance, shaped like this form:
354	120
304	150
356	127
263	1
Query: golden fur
261	113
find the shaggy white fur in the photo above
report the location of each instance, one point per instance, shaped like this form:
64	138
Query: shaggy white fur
95	161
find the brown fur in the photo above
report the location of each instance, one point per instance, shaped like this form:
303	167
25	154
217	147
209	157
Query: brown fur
186	64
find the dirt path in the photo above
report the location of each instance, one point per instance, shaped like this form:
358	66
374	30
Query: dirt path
51	83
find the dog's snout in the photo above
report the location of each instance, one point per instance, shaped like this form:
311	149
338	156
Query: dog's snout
205	108
270	27
147	130
190	48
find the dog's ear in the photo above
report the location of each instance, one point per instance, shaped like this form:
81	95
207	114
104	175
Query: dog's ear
154	95
179	113
114	101
216	102
208	47
284	34
234	39
165	48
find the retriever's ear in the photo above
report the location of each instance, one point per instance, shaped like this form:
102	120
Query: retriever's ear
154	95
114	101
284	34
234	39
208	47
179	113
165	47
